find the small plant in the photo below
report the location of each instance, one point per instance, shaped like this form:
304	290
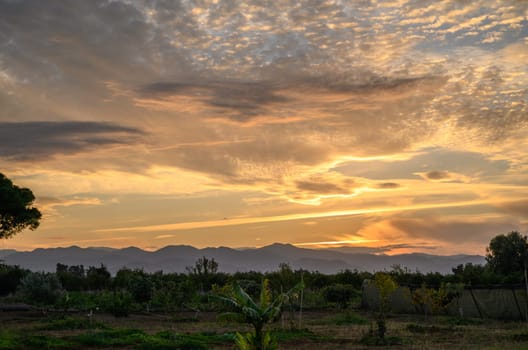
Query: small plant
257	314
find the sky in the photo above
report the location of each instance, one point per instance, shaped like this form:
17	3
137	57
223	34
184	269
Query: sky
388	126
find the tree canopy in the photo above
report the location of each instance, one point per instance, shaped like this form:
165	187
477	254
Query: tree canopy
507	254
16	209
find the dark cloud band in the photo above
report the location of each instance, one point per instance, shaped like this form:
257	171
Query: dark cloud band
33	140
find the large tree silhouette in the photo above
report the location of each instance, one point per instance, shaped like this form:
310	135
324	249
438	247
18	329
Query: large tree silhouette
508	254
16	209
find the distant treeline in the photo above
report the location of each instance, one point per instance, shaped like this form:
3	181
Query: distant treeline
80	288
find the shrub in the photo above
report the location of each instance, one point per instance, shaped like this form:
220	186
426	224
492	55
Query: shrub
40	288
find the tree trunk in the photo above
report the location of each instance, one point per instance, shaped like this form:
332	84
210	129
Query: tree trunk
301	306
382	327
258	337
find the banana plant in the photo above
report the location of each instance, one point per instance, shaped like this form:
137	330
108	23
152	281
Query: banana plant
258	314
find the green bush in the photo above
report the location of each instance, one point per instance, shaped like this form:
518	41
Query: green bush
40	288
118	303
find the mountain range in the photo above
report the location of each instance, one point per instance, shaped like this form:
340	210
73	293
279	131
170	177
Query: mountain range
268	258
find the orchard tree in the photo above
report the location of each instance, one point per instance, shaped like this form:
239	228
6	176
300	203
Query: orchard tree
507	254
16	210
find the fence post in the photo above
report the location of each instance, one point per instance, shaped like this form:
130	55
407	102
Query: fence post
517	303
475	302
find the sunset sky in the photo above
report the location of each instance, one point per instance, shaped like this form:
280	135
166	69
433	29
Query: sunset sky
390	126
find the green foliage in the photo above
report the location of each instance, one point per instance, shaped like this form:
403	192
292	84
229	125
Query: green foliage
258	314
203	267
418	328
40	288
111	338
137	282
82	301
138	339
465	321
372	339
297	334
44	342
386	286
283	279
354	278
98	278
118	303
8	339
16	211
341	294
204	274
347	318
10	277
70	323
72	278
431	300
508	253
249	341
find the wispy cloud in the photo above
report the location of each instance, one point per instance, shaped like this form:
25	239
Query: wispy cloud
279	218
341	106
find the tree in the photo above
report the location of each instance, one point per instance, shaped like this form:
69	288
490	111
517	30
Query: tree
386	286
98	278
16	211
202	272
203	267
40	288
507	254
10	277
72	278
339	294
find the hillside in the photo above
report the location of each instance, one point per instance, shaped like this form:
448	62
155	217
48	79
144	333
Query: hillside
268	258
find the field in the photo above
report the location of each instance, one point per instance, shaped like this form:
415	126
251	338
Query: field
320	330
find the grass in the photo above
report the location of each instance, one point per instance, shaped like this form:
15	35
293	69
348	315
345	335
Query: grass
418	328
323	331
349	318
111	339
298	334
345	318
70	323
22	340
8	340
459	321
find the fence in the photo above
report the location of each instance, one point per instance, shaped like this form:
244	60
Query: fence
498	302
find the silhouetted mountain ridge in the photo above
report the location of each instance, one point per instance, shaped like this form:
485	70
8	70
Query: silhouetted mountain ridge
176	258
